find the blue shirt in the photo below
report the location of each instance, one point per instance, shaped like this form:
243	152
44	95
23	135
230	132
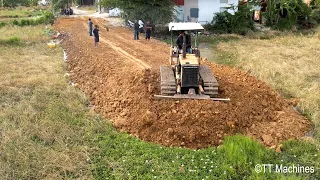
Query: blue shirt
90	24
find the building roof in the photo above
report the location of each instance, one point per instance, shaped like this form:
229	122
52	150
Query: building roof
185	26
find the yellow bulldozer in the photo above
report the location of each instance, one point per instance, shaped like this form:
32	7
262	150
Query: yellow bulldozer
185	77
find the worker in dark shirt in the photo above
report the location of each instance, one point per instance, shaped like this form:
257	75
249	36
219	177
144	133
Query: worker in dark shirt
96	35
90	27
148	30
179	41
136	30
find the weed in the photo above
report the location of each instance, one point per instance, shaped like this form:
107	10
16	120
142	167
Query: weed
124	157
11	41
2	24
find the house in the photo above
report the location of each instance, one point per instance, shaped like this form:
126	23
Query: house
200	10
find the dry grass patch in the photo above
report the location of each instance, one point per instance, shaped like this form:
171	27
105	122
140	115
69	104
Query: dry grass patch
28	34
289	63
21	11
44	123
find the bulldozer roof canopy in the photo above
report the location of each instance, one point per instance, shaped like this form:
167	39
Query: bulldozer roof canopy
185	26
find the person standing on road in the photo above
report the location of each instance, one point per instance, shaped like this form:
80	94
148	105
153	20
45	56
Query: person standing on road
96	36
90	23
136	30
148	30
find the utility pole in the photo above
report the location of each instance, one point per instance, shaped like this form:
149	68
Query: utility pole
68	7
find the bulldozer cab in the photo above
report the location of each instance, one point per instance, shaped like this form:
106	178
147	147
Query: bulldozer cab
186	54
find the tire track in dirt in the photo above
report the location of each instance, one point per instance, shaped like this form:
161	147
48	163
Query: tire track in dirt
120	51
128	56
153	52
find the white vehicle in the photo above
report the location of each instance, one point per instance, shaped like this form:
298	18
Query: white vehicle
115	12
43	2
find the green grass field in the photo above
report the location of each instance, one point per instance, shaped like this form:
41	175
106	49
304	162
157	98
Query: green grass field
47	130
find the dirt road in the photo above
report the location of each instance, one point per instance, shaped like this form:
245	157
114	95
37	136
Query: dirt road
122	75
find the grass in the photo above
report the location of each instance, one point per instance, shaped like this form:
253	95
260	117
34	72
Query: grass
42	120
21	12
26	34
288	62
47	131
11	41
124	157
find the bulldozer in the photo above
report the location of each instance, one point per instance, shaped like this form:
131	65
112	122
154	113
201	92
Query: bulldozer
185	77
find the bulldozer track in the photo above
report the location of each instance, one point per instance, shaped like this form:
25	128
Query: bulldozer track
210	83
168	82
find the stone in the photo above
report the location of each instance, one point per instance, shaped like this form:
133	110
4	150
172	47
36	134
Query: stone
170	131
278	150
119	122
151	115
150	88
123	114
267	138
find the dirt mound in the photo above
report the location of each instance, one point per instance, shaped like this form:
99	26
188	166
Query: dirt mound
121	87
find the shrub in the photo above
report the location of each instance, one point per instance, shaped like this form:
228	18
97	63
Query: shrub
2	24
45	18
289	14
11	41
240	22
15	22
315	16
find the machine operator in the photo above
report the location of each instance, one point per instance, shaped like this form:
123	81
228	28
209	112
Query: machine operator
179	42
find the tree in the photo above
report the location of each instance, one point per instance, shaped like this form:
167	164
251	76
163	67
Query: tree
60	4
288	14
157	11
10	3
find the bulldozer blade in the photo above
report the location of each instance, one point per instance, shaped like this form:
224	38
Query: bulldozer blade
190	96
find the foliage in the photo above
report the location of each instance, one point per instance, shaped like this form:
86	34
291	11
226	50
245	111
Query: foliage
315	14
240	22
125	157
60	4
158	12
2	24
10	3
288	14
45	18
11	41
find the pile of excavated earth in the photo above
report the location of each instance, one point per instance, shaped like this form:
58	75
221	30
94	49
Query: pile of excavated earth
121	77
